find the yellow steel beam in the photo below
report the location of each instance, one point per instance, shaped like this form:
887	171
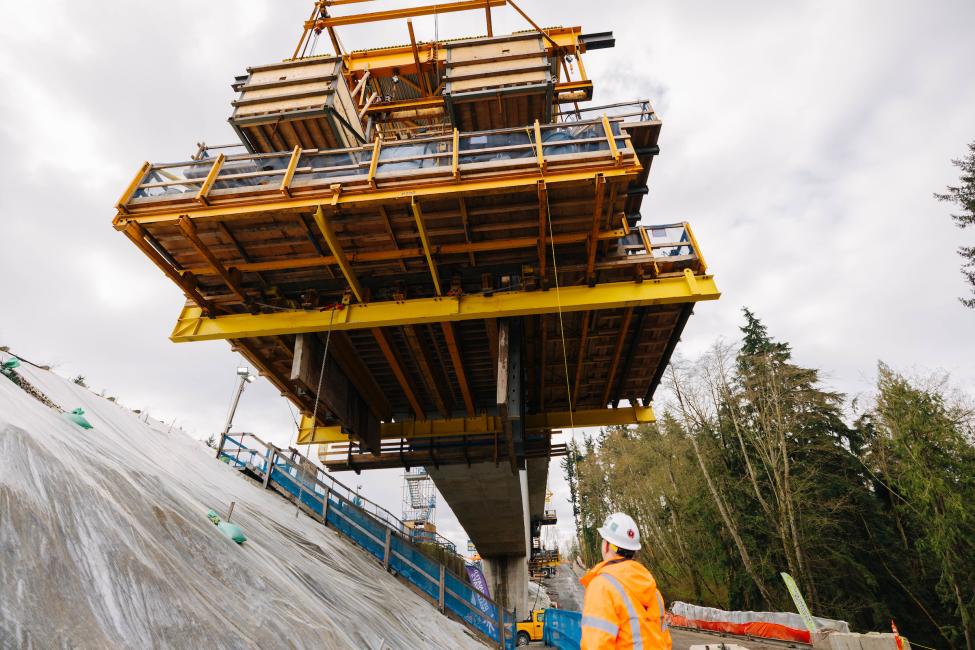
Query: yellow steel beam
410	253
533	23
381	60
201	196
194	326
396	14
351	196
406	105
416	60
289	173
597	220
483	424
325	226
133	185
425	240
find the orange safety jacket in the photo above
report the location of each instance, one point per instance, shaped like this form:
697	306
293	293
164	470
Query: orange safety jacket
623	608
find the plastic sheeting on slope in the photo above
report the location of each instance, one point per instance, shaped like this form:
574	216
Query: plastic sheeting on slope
104	543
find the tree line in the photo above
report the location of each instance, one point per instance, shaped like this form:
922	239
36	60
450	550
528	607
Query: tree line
754	467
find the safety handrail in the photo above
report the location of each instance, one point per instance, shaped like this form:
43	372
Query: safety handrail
320	478
200	181
640	109
378	535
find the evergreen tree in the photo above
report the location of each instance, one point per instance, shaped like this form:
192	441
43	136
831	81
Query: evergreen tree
963	196
925	455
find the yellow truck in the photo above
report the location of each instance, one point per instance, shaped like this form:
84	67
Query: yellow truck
531	629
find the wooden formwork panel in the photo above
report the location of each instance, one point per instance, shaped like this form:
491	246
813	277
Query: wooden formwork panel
499	83
302	103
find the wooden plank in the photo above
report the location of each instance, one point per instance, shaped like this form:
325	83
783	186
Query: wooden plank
426	373
397	368
617	352
597	217
189	229
392	235
355	368
581	356
542	232
466	224
455	355
137	234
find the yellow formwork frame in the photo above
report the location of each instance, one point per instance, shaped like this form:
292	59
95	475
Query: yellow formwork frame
482	424
193	325
350	196
384	58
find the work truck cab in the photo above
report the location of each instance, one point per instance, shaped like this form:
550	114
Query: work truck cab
531	629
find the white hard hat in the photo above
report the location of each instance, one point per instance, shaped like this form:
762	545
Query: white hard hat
620	530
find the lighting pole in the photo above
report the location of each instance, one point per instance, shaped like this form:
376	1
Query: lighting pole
244	377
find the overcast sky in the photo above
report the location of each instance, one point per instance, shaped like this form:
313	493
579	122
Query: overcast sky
803	141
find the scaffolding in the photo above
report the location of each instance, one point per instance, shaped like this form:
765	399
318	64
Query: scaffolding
419	504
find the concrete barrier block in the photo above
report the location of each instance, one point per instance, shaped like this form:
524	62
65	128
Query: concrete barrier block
844	641
718	646
878	641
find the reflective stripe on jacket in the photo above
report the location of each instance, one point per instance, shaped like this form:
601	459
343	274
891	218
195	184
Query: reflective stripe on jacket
623	608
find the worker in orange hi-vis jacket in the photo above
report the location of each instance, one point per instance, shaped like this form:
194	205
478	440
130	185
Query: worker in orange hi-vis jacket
623	607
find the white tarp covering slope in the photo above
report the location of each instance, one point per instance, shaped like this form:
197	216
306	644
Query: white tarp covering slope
104	543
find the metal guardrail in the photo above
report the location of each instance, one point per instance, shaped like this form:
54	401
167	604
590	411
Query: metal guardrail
563	629
318	480
374	529
451	155
639	110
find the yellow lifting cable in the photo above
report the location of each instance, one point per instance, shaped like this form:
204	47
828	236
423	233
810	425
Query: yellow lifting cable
558	302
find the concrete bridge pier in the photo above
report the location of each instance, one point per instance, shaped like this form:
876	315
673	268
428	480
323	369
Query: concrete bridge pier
507	578
493	506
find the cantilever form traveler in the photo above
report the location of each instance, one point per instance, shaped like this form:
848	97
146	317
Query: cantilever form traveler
465	225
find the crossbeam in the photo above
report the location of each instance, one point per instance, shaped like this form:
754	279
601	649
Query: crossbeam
396	14
367	195
193	325
325	227
482	424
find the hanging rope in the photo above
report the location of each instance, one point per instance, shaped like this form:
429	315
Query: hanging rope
558	302
314	412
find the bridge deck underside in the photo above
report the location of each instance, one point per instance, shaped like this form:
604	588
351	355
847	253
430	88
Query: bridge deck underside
490	230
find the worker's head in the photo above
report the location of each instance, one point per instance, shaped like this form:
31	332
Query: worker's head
621	537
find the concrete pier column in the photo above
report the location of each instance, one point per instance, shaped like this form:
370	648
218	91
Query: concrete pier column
507	578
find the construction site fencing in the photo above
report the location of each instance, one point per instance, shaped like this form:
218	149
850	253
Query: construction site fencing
563	629
371	527
451	155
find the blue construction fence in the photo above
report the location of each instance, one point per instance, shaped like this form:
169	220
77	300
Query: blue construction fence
404	559
563	629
